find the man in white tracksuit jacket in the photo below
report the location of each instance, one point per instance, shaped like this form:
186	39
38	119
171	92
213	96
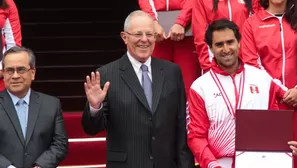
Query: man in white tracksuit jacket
215	96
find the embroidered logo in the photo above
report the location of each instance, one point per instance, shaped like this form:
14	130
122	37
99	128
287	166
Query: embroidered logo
266	26
254	89
215	95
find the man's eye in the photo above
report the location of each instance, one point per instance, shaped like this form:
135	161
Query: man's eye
21	69
219	44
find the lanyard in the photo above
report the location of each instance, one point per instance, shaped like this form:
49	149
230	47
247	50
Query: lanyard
238	96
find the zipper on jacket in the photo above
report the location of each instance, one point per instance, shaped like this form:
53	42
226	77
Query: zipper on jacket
283	50
230	10
167	5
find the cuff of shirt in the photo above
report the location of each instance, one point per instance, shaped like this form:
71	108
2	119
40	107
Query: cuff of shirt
213	164
11	166
94	111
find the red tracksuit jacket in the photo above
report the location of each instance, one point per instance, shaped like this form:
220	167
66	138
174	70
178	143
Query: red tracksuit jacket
10	25
270	43
152	6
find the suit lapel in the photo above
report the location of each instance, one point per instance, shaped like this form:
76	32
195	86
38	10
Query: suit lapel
158	79
34	106
12	114
129	76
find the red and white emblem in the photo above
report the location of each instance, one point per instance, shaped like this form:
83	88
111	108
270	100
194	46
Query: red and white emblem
254	89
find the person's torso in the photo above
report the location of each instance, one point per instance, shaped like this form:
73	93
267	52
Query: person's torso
252	93
276	43
168	5
234	10
139	137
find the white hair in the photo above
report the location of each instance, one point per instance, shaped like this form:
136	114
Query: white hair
132	14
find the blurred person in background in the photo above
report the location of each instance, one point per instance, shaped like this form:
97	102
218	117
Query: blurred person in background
11	29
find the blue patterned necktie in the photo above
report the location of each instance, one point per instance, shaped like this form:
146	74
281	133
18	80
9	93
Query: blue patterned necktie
22	114
147	84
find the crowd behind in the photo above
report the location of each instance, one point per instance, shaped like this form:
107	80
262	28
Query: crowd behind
171	99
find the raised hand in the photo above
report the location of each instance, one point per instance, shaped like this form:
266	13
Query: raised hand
94	93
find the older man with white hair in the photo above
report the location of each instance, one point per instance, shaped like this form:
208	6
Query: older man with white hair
140	101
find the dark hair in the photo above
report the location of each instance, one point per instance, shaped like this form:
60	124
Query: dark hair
17	49
3	4
290	11
218	25
248	4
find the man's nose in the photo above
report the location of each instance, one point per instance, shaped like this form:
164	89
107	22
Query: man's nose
15	74
144	37
226	48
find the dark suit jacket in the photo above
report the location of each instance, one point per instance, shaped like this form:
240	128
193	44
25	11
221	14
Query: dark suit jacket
138	137
46	141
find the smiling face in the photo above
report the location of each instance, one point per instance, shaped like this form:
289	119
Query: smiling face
140	37
17	74
225	48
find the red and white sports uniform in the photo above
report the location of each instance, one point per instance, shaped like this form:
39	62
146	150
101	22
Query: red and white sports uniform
213	99
203	15
11	30
180	52
268	42
10	25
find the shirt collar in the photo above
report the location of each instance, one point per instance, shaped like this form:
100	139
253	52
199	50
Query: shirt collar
136	64
15	99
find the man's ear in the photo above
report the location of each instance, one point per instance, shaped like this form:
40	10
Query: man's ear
124	37
33	73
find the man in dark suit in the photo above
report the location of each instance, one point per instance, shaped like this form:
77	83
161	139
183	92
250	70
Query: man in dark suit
32	132
142	104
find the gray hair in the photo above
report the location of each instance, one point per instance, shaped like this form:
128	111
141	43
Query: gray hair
17	49
132	14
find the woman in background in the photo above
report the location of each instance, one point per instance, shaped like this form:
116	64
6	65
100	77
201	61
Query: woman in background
269	42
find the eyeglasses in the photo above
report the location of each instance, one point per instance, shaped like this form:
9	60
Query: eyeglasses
19	70
140	35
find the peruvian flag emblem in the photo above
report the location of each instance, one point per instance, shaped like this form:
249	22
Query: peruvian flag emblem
254	89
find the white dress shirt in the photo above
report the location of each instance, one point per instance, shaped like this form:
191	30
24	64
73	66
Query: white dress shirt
136	66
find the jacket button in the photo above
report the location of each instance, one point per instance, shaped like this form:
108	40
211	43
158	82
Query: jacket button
150	119
153	138
25	154
151	157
